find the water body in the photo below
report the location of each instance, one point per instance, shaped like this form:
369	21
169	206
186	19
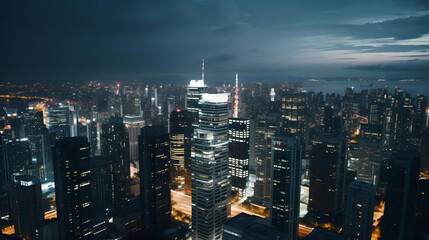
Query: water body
339	86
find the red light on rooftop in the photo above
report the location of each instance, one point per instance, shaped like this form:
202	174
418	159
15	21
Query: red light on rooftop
178	110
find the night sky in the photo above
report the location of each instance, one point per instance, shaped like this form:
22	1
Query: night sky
165	40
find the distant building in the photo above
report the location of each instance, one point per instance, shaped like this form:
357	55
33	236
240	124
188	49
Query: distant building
154	150
368	169
133	125
293	119
62	117
285	184
359	210
73	188
239	153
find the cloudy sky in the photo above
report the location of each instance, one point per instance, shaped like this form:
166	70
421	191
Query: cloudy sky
165	40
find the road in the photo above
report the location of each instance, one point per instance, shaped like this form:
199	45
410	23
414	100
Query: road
184	204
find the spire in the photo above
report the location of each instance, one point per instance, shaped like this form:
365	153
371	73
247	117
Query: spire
202	72
236	97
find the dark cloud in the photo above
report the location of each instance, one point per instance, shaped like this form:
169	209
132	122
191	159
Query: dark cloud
400	28
415	66
165	40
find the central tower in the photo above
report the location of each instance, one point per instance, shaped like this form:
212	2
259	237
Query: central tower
211	187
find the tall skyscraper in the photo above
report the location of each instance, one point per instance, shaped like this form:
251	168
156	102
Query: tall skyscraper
293	120
18	156
239	152
26	204
211	187
133	125
194	91
401	196
327	177
265	128
73	188
347	110
114	150
285	184
359	210
154	179
64	118
236	97
181	132
368	169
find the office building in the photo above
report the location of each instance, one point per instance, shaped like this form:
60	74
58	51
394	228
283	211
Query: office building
327	177
265	128
293	119
239	153
133	125
26	205
359	210
211	187
73	188
155	199
63	118
181	132
401	196
285	184
114	150
368	167
18	157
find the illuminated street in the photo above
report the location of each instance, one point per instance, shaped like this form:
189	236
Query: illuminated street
183	202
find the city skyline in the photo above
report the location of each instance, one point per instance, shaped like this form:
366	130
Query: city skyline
214	120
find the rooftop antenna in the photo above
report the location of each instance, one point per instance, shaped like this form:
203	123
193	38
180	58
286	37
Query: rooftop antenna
236	97
202	72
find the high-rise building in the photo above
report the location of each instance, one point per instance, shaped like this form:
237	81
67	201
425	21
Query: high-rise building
211	187
265	128
114	150
239	152
18	155
368	167
194	91
154	179
73	188
347	111
359	210
181	132
401	196
327	177
64	118
92	131
285	184
293	120
26	204
375	113
133	125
